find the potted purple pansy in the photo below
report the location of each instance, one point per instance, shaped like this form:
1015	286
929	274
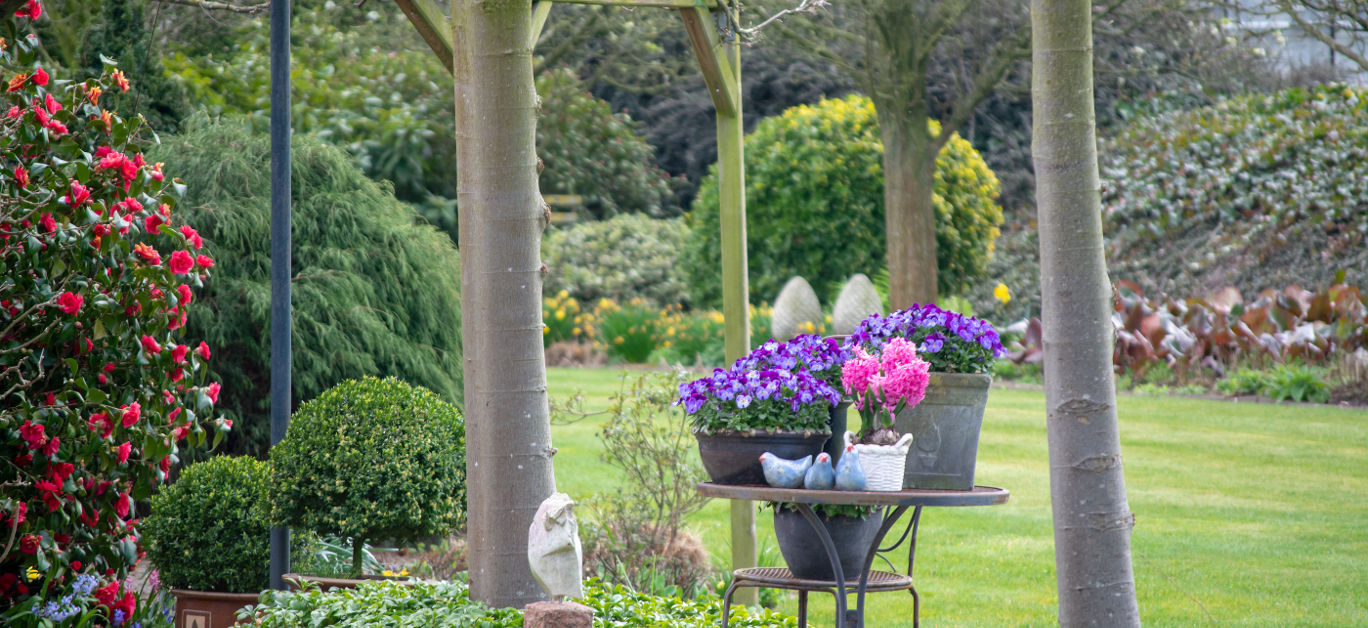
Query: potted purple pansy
822	357
960	352
763	402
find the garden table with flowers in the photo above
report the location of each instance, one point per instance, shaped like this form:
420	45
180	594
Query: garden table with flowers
894	503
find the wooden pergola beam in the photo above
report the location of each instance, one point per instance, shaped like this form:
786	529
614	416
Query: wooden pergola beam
712	60
540	10
433	27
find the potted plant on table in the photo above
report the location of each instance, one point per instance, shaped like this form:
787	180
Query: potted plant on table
209	537
820	357
760	404
960	351
371	459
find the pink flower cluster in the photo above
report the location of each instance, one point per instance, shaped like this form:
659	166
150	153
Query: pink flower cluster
890	380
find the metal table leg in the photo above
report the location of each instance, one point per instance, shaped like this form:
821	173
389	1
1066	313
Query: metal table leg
806	511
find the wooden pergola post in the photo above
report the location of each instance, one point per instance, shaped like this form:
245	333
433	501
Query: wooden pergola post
720	61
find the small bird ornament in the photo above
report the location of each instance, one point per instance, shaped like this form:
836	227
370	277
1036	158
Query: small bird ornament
850	476
820	476
784	473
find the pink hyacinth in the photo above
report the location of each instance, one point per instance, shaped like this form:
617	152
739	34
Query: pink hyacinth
856	374
906	383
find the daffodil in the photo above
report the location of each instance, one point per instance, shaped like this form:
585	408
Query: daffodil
1001	293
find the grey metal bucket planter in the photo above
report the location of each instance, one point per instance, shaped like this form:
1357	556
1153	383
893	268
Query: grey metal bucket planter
945	431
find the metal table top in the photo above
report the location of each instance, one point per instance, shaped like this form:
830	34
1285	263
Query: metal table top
978	496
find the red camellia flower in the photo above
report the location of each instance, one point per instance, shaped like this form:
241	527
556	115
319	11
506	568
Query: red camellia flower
180	432
21	176
48	223
17	82
183	291
29	544
40	77
213	392
100	422
150	345
51	494
152	222
204	261
177	374
121	506
124	450
78	196
32	433
105	595
181	262
51	104
148	254
50	449
131	413
119	79
70	302
192	236
31	10
202	350
178	353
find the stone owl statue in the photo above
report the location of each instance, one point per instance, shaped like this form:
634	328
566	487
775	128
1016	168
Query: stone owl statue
553	548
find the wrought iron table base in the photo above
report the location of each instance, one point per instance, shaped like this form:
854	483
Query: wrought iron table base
869	581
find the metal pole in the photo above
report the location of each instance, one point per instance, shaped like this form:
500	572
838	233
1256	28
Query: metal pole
280	258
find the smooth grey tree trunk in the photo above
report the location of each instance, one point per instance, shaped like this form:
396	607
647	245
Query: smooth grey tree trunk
508	433
1092	521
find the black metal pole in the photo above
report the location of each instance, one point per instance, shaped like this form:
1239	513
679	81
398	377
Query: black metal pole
280	258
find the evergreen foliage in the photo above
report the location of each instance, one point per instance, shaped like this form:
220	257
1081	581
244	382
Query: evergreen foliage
210	531
374	294
372	459
814	206
121	33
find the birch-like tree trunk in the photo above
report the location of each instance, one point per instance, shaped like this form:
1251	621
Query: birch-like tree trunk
508	432
1092	520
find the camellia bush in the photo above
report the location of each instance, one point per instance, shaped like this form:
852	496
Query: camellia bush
371	459
99	390
815	208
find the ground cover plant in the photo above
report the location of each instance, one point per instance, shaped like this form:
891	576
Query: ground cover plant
101	389
1256	191
1233	526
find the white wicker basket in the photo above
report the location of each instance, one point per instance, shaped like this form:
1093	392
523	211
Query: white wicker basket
883	464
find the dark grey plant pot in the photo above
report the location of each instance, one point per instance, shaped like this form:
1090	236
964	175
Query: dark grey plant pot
734	457
802	547
945	431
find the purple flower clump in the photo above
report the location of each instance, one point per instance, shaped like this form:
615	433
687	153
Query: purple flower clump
770	399
819	356
950	341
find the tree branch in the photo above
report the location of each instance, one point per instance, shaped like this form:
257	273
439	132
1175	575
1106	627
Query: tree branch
1315	31
806	6
215	5
1004	55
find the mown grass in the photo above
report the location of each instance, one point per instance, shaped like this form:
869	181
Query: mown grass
1246	514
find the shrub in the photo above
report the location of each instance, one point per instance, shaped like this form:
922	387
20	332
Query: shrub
374	294
563	321
814	206
637	536
371	459
590	151
623	258
100	387
1255	191
692	337
628	332
210	530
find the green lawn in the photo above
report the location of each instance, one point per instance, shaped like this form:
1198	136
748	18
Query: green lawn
1246	514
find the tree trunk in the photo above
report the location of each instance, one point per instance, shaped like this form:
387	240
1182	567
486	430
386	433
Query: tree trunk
909	215
896	82
508	433
1092	521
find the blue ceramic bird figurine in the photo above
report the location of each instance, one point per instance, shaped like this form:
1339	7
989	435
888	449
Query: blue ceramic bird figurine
783	473
850	476
820	475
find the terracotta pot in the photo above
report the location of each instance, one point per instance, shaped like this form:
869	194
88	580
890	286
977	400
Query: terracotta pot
209	609
734	457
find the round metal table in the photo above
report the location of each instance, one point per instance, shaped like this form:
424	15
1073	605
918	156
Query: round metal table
894	504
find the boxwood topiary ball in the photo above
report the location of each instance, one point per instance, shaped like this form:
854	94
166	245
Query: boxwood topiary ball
372	459
210	531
